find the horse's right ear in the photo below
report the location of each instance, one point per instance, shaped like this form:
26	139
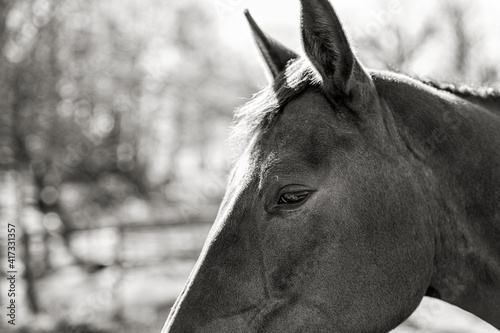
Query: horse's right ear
330	52
275	54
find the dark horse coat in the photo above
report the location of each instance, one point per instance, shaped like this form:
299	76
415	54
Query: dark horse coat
358	193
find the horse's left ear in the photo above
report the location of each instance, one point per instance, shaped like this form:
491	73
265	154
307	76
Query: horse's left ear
327	47
275	54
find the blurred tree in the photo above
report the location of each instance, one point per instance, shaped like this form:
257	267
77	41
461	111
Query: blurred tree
192	83
76	112
59	128
399	46
463	42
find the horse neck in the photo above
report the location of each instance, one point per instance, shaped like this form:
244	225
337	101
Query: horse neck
455	145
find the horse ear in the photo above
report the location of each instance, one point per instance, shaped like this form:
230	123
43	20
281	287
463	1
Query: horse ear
275	54
327	47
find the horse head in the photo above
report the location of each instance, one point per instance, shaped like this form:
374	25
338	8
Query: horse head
326	224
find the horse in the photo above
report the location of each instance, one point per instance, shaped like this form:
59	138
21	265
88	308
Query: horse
356	193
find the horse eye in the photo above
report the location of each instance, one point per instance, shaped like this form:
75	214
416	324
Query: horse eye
293	198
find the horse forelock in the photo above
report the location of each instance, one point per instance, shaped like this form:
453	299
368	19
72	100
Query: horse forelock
260	113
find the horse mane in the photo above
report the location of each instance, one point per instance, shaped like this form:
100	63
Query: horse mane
260	113
487	96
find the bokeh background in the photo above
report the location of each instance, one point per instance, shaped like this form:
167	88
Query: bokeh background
114	119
